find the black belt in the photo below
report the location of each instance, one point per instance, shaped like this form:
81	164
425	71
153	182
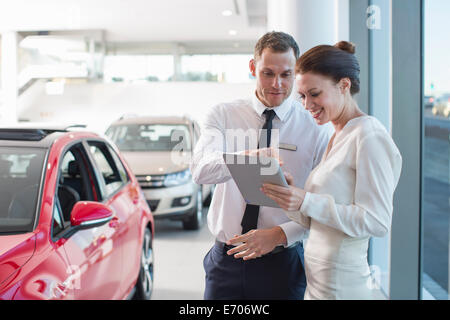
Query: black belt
225	247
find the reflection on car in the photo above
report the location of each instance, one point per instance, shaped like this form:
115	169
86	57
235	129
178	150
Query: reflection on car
73	220
158	150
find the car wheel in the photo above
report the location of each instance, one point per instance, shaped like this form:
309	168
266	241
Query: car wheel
195	219
144	285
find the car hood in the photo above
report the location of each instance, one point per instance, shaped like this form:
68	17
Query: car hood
157	162
15	251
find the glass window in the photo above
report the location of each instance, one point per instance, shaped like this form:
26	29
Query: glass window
435	162
112	178
20	174
58	224
76	181
150	137
232	68
53	57
119	164
138	68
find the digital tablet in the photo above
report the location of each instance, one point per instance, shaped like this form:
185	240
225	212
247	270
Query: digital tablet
251	172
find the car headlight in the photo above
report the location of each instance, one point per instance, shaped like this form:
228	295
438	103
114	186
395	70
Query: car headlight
178	178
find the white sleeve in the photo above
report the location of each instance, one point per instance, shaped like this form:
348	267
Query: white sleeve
207	164
294	232
378	166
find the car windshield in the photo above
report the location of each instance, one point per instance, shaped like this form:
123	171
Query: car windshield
20	175
150	137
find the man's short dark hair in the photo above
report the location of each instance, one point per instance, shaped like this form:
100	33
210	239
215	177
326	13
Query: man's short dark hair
277	42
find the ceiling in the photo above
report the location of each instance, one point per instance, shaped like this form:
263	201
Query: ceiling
140	21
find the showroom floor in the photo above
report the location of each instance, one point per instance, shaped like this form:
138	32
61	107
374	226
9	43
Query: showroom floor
179	273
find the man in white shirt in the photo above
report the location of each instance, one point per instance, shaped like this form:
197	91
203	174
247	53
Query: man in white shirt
272	254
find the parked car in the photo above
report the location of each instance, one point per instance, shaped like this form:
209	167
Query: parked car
158	150
442	108
74	223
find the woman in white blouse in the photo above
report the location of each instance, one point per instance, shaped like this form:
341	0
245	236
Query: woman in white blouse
348	197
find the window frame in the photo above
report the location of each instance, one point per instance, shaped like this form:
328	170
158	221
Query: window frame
99	177
406	127
116	158
407	132
67	227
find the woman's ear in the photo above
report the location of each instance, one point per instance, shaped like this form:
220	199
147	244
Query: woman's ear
345	84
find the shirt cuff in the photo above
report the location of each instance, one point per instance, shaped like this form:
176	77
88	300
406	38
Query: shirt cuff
294	232
306	204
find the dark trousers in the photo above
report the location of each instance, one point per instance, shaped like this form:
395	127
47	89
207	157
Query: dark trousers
278	276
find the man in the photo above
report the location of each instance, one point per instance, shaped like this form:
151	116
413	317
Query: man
267	261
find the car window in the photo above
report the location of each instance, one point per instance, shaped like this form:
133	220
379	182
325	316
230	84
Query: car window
20	176
58	224
151	137
76	181
120	166
111	176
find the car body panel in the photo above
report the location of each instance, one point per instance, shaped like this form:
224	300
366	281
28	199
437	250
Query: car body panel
15	251
167	195
89	263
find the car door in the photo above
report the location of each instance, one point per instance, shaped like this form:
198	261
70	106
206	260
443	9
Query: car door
122	197
95	252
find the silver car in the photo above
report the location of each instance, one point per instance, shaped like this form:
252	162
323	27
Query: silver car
158	150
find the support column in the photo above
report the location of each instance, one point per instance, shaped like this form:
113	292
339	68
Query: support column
178	50
310	22
92	68
9	57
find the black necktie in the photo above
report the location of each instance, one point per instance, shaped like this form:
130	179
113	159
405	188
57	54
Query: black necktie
251	213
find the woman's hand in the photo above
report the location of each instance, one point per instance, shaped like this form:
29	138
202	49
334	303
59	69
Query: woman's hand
288	198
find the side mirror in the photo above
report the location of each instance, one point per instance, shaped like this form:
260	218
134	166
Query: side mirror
89	214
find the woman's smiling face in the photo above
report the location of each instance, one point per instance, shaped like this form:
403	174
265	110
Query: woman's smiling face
321	96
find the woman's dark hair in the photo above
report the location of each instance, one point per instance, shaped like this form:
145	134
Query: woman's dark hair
336	62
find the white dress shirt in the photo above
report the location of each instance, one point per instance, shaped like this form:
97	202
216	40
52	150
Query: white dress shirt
292	125
349	199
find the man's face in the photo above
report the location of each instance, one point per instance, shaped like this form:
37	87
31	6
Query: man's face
274	72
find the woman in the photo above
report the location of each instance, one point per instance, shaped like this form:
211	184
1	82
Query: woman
348	197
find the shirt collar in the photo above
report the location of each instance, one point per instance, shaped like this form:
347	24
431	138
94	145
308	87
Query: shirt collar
281	111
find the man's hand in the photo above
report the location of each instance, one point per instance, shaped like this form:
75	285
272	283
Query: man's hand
256	243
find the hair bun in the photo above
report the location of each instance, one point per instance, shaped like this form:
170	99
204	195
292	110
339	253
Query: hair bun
346	46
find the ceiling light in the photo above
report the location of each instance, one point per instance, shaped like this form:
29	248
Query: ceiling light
227	13
232	32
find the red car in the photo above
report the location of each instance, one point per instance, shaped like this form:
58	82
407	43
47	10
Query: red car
74	223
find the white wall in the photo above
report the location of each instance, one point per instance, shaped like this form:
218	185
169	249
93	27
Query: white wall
98	104
310	22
